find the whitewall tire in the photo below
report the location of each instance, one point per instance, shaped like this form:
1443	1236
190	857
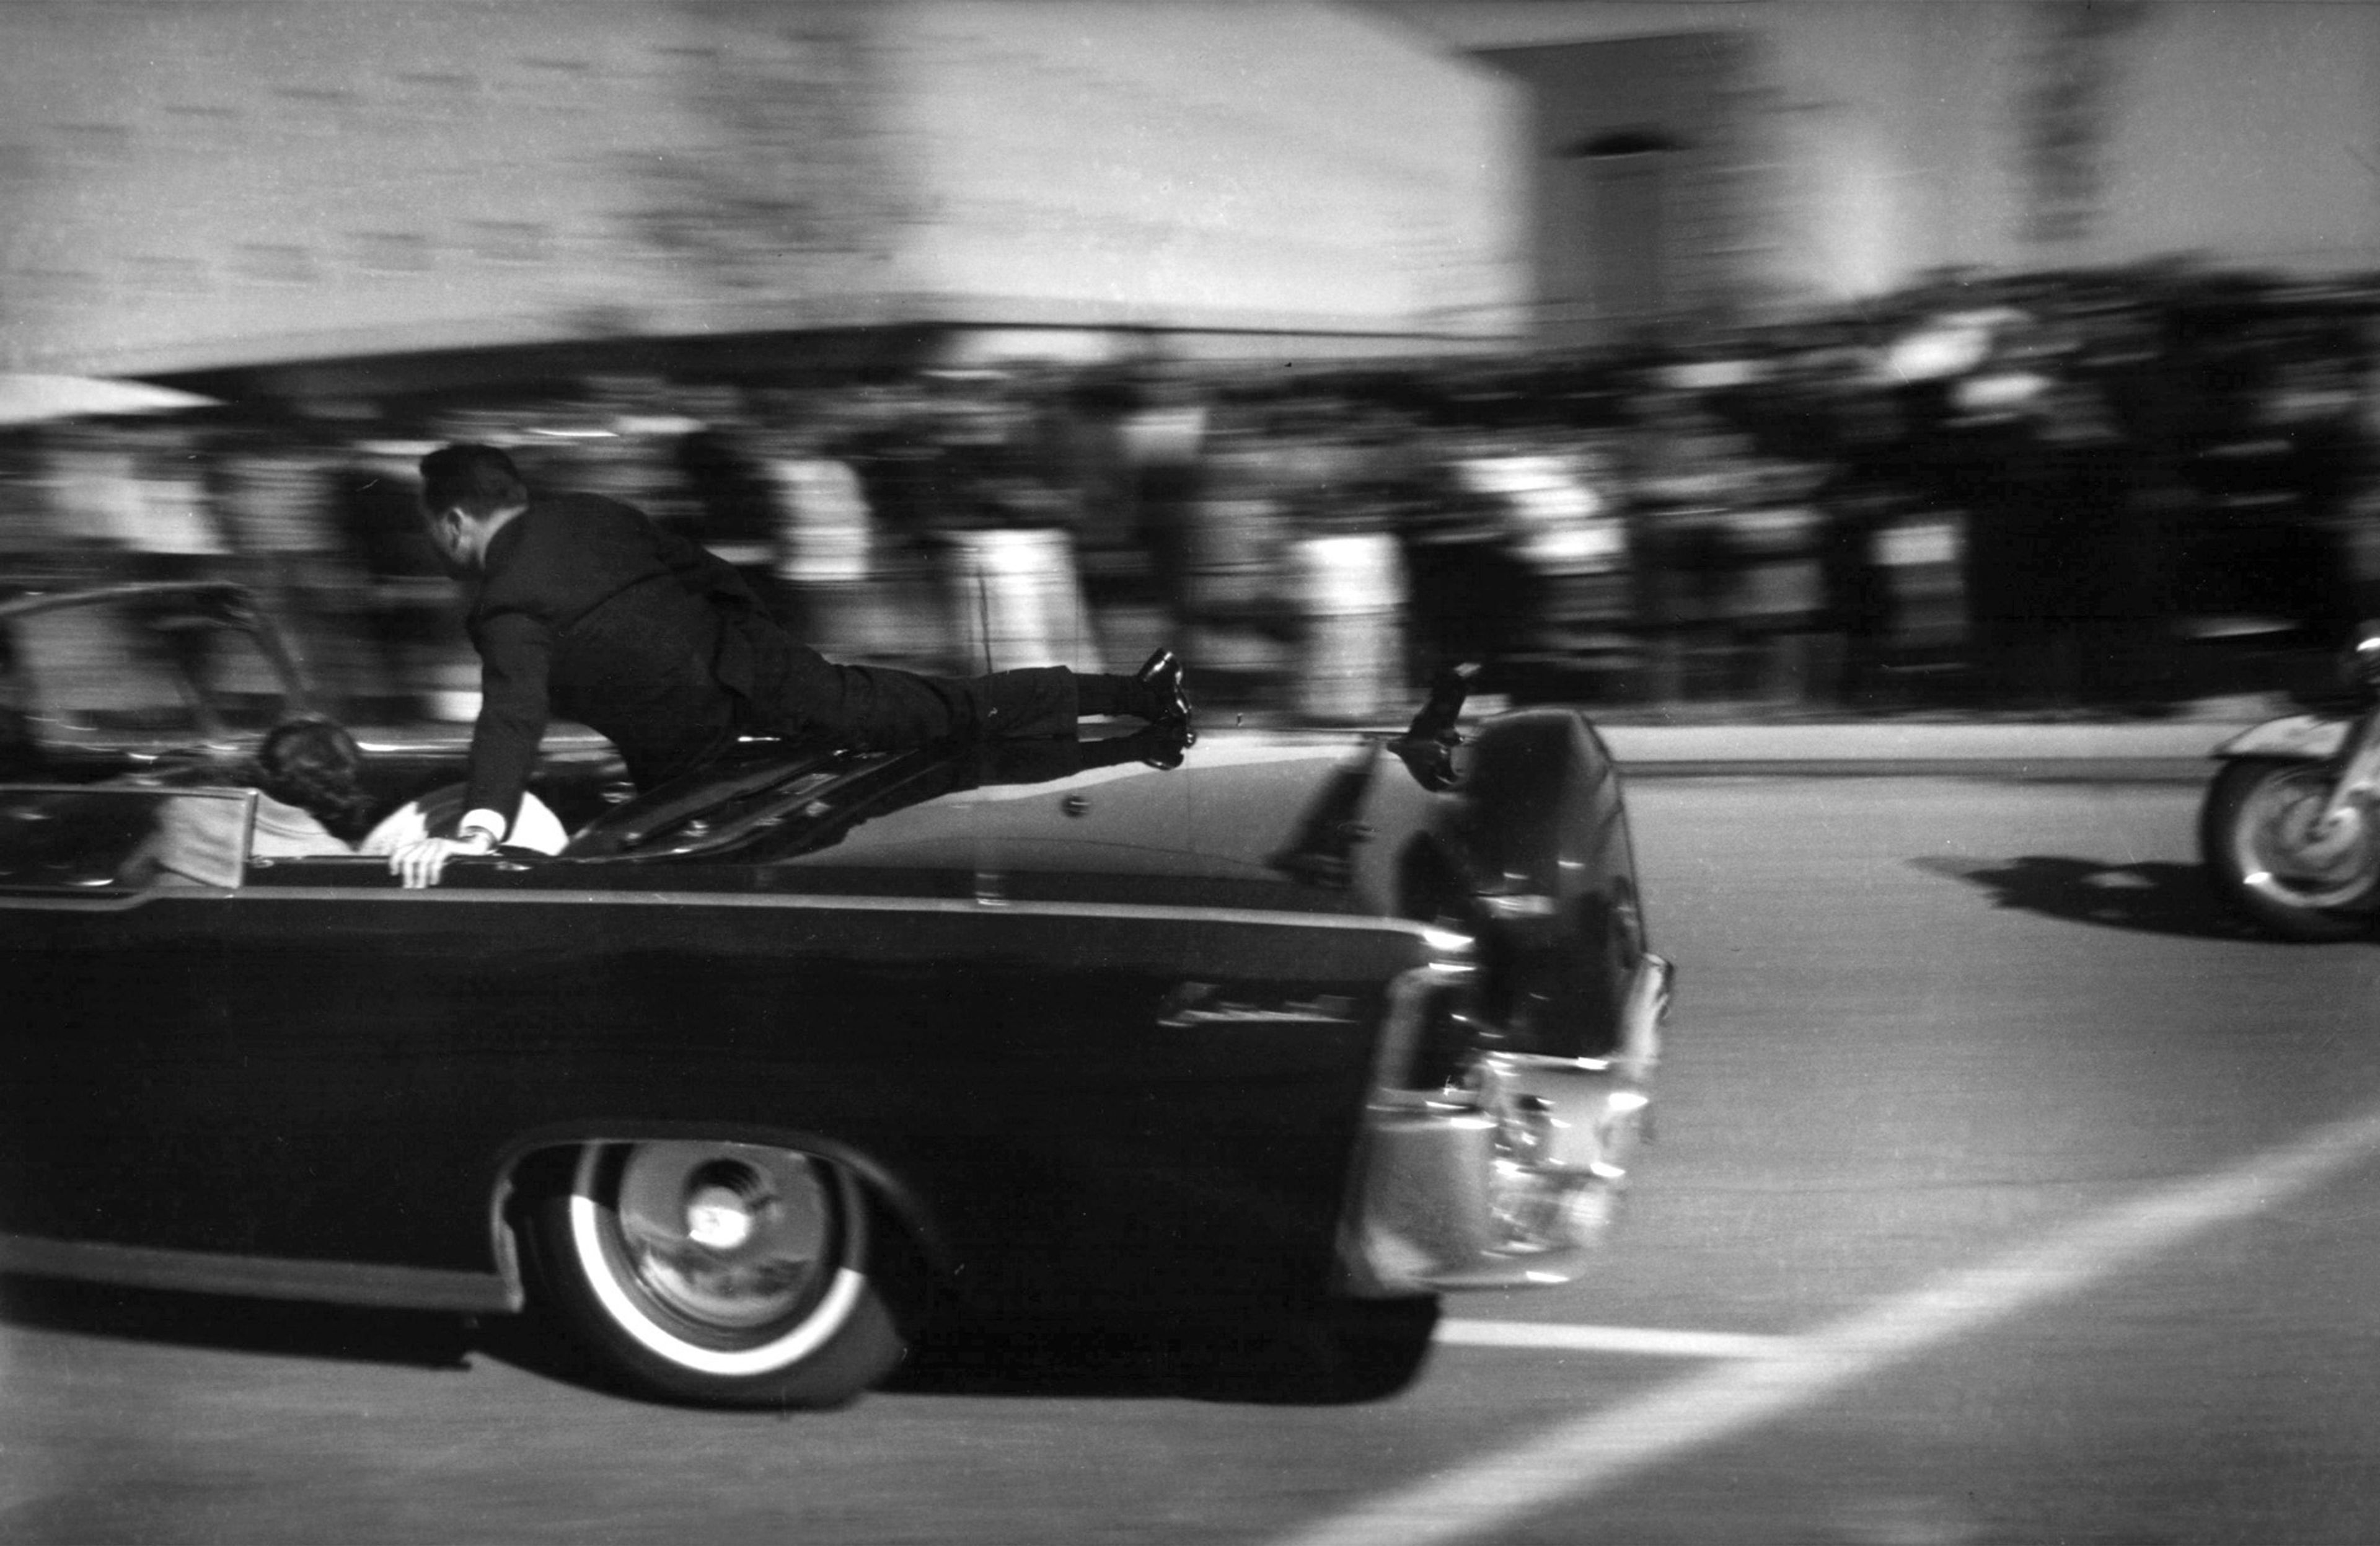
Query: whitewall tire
722	1272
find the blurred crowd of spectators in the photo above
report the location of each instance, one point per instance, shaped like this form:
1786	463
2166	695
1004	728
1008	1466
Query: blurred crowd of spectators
2051	491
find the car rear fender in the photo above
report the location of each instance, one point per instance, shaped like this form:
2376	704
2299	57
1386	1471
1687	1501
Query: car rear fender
1541	826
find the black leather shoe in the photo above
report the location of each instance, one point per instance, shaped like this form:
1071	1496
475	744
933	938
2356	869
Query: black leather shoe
1161	746
1162	673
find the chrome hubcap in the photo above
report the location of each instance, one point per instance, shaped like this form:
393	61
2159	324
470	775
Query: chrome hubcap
718	1219
726	1238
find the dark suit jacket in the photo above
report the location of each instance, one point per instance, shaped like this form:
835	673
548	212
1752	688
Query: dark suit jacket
588	610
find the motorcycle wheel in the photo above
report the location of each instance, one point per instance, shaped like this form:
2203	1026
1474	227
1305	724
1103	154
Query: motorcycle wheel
2255	833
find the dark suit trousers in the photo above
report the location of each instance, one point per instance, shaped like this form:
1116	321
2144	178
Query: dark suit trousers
797	691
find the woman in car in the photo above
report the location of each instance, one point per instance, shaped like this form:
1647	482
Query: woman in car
308	802
310	799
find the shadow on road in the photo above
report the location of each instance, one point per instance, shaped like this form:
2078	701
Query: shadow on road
420	1339
1074	1363
2157	896
1367	1353
1348	1352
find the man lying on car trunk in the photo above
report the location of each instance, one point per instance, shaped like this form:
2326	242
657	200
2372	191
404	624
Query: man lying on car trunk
582	606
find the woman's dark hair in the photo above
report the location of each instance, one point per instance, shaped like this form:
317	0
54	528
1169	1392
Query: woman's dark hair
313	764
477	479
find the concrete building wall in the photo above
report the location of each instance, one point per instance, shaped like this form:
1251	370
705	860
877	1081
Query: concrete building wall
201	183
1905	130
1215	164
2254	131
1647	183
1915	145
2249	133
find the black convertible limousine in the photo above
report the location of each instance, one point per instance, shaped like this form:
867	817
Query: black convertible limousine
765	1070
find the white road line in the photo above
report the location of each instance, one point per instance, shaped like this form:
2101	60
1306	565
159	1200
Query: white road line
1613	1339
1600	1450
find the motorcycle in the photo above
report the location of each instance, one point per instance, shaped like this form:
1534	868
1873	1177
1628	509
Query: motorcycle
2290	827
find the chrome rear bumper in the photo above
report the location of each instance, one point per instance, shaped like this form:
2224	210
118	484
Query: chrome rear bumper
1511	1179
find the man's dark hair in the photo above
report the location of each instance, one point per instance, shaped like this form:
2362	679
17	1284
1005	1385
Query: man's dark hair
477	479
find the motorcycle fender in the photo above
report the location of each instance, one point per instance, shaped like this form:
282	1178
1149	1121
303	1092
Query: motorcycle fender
2303	737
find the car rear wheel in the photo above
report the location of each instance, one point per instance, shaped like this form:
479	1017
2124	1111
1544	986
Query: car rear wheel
727	1273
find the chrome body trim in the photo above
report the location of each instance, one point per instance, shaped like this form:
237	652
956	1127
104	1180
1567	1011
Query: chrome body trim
348	1282
1342	922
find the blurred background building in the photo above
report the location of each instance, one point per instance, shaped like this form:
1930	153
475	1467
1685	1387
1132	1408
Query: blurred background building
197	185
1767	155
1846	354
203	185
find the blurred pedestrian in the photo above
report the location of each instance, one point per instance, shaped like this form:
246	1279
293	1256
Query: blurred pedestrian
1472	593
1688	472
1229	572
409	613
722	462
272	491
823	547
134	494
